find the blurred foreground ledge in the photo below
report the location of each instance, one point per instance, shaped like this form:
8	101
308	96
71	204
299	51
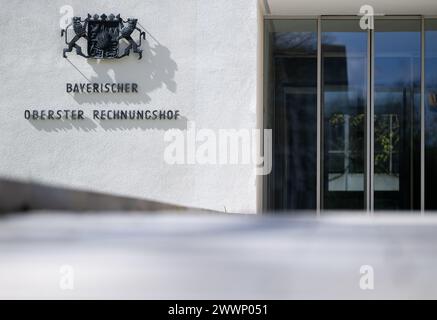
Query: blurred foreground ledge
120	255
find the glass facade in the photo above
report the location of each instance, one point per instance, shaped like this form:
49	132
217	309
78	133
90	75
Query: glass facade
397	114
292	93
430	101
344	99
361	90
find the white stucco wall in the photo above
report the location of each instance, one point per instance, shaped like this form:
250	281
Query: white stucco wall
200	57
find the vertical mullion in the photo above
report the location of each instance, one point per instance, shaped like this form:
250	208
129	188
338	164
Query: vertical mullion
370	125
368	119
422	121
319	116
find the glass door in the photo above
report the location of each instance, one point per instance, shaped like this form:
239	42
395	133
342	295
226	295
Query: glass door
344	54
397	93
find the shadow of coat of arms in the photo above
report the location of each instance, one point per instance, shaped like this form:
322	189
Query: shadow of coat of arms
104	35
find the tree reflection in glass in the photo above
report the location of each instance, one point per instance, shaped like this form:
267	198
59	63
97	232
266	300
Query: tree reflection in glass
397	114
344	62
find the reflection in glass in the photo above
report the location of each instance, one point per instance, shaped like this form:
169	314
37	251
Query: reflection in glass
430	114
291	75
344	60
397	114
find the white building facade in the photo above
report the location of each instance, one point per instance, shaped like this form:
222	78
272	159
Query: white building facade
210	62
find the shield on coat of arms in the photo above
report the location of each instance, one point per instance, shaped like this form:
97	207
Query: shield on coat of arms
103	33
